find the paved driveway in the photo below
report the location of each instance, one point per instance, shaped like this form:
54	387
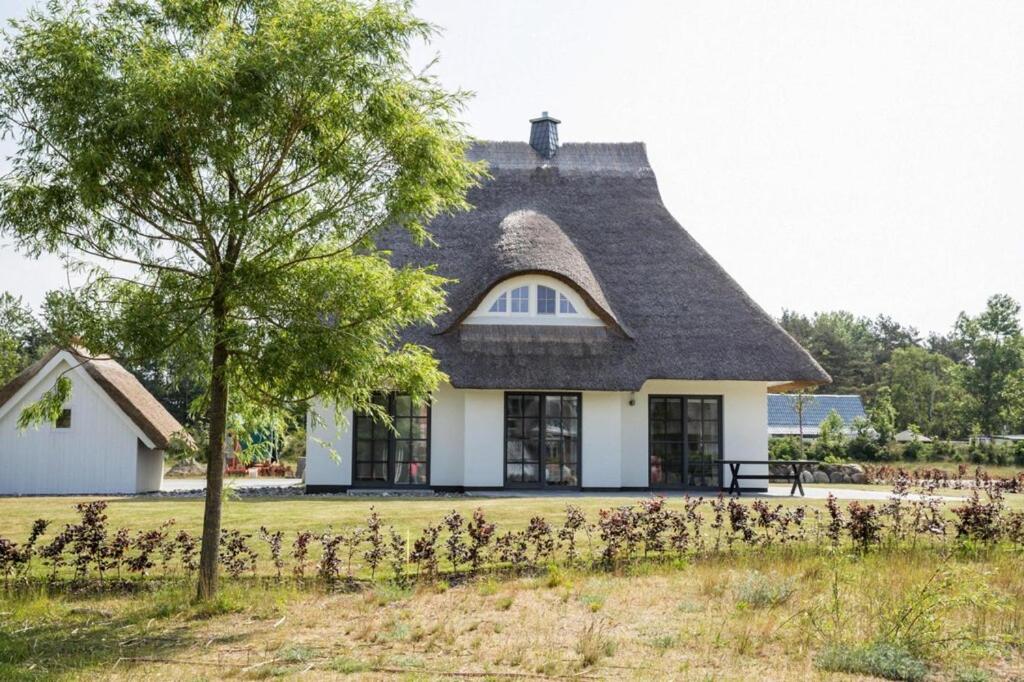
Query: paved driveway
289	486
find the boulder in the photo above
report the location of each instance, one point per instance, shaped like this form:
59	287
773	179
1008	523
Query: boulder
859	477
839	477
820	477
806	476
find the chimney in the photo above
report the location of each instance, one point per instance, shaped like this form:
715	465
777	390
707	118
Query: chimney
544	135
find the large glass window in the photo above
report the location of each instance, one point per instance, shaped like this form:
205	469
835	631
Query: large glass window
398	457
685	441
542	442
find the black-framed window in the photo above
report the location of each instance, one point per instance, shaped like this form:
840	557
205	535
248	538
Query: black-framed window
398	457
64	420
685	440
542	439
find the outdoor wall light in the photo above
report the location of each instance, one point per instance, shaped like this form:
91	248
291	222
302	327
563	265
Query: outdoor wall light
632	398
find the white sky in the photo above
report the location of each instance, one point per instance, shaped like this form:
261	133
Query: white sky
861	155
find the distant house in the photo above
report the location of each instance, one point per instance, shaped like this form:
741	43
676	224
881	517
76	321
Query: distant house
591	343
783	419
110	438
908	436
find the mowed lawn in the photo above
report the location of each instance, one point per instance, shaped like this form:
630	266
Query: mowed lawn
312	513
317	514
299	513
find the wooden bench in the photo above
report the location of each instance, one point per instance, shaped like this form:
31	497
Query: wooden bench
796	467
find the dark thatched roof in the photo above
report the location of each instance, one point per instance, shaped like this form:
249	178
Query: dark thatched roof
123	388
592	216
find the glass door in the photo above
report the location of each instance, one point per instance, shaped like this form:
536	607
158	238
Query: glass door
383	457
684	440
542	442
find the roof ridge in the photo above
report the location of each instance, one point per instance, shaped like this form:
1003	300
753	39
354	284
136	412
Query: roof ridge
152	418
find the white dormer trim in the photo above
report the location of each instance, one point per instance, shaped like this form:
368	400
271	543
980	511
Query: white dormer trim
569	307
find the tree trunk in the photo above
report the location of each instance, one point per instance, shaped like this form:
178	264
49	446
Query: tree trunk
217	415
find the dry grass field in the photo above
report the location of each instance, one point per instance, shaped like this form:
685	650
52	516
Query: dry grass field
782	613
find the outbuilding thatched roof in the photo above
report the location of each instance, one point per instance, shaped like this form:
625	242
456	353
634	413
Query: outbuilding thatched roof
124	389
592	216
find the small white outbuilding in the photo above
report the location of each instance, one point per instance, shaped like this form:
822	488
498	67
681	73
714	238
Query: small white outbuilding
110	438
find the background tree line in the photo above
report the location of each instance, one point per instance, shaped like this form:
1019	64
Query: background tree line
969	381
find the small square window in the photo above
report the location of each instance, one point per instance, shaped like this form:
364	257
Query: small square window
64	420
565	306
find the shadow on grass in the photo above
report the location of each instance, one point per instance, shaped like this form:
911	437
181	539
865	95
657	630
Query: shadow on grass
43	636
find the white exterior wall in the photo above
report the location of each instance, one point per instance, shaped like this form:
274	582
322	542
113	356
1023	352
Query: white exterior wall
149	469
744	420
447	436
484	439
98	454
328	447
467	435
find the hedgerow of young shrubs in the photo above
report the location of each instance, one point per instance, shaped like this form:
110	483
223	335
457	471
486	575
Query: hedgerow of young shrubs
91	552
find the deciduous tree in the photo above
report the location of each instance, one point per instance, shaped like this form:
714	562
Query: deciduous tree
238	157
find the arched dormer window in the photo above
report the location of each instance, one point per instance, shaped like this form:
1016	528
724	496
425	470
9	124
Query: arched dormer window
533	299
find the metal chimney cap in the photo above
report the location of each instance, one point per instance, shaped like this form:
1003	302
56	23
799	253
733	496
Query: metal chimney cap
544	118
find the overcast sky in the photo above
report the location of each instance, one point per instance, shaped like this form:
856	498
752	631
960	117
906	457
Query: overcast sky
856	155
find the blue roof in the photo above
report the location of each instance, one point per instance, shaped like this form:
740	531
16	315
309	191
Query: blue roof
782	413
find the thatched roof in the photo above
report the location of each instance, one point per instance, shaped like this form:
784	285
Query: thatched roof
592	216
124	389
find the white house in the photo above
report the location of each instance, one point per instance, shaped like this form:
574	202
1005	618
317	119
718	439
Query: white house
591	343
110	437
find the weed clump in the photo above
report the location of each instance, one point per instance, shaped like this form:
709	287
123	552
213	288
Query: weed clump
879	660
759	591
594	644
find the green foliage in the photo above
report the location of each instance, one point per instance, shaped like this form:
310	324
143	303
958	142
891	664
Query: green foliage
972	376
757	590
22	339
883	416
242	157
877	660
863	447
926	390
244	154
48	408
994	347
851	349
785	447
1011	410
831	442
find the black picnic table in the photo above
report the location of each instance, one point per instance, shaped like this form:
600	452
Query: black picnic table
797	467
